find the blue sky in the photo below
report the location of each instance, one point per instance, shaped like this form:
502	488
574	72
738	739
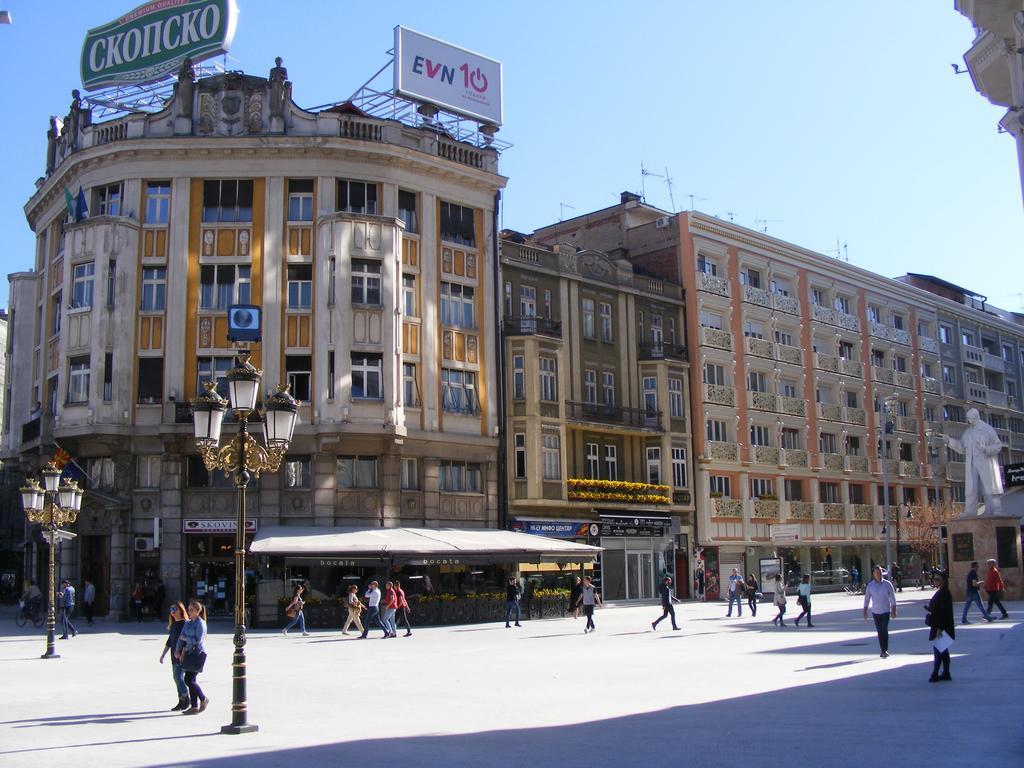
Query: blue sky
833	121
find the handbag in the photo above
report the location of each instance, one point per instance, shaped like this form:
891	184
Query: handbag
291	611
780	599
193	661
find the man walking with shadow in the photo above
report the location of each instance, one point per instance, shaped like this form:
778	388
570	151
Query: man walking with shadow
67	607
667	598
881	596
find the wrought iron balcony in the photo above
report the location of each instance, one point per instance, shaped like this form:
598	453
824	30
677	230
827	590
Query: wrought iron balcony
532	326
637	418
662	351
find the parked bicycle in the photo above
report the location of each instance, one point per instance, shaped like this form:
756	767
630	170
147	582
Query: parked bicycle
30	610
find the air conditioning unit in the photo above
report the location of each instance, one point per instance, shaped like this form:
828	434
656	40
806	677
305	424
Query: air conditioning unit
663	222
143	543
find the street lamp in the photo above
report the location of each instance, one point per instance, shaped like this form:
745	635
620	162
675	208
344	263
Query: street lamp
902	510
51	505
243	458
885	408
933	461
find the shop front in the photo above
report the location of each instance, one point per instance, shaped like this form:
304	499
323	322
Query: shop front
209	563
638	552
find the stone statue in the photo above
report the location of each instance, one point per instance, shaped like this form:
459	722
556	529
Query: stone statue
278	88
980	446
185	88
74	121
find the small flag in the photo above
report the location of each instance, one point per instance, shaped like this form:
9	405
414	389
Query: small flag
81	209
69	202
61	458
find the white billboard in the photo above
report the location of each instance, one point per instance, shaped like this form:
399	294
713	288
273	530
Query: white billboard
786	534
452	78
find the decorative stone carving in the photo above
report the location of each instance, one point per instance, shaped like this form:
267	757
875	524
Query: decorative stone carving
801	510
728	508
793	406
833	461
763	401
714	337
795	457
788	304
826	362
833	511
756	296
765	454
719	394
857	463
766	509
759	347
713	284
856	416
830	412
863	512
791	355
724	451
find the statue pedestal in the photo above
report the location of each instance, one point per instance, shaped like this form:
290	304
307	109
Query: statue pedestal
981	538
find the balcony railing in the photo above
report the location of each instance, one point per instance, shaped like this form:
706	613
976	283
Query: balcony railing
790	355
616	491
794	457
31	429
532	326
719	394
713	284
662	351
723	451
716	337
616	415
930	385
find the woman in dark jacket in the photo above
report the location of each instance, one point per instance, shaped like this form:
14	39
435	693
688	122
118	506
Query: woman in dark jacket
940	619
175	623
751	588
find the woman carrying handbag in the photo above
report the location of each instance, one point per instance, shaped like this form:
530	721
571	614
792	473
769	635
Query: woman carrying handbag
940	619
192	655
294	612
780	601
355	607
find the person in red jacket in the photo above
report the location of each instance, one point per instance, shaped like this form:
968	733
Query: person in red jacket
403	609
994	587
387	614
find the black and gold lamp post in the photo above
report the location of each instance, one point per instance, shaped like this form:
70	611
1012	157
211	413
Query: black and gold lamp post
52	505
242	457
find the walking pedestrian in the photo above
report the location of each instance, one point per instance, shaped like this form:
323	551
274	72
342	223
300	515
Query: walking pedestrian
574	596
389	610
403	609
779	599
735	592
589	599
973	595
137	595
88	598
701	592
667	598
753	593
994	586
67	607
295	613
881	597
512	595
175	623
192	656
372	596
804	598
355	607
940	619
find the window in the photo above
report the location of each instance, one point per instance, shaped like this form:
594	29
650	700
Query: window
906	452
843	304
56	313
158	202
720	485
757	382
297	472
154	287
222	285
457	224
714	374
717	431
897	321
591	457
366	376
791	439
650	394
407	210
853	445
459	477
297	373
588	319
151	379
215	369
929	413
108	200
706	266
548	379
710	319
654	466
828	493
198	476
945	334
877	358
508	299
611	462
519	440
675	398
410	386
760	435
926	370
332	269
300	200
331	374
590	386
780	286
551	457
356	472
81	288
608	388
547	304
750	277
606	321
899	363
527	301
147	471
458	391
78	379
817	297
409	302
856	493
518	377
787	388
111	281
656	330
227	200
948	374
846	350
827	443
851	398
794	490
679	467
761	487
873	314
300	286
753	329
457	305
967	338
366	282
909	495
410	474
1007	353
108	377
356	196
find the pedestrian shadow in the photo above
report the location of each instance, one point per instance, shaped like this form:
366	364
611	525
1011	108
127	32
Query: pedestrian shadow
110	743
75	719
562	634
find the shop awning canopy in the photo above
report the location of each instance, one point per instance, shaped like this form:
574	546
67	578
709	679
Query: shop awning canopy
419	545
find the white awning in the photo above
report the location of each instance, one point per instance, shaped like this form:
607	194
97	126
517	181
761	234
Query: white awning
407	545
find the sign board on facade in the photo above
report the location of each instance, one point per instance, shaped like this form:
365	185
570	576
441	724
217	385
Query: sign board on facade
153	40
557	529
963	547
1013	474
786	534
616	525
216	526
452	78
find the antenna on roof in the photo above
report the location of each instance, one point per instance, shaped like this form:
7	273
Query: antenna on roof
693	197
763	223
644	173
561	210
841	251
730	214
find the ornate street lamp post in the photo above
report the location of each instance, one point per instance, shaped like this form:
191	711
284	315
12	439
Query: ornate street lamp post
51	505
933	441
243	458
885	409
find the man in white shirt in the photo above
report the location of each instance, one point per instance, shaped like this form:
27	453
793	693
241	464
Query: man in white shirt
881	596
735	592
372	596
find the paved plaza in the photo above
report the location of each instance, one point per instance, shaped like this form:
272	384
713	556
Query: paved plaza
720	692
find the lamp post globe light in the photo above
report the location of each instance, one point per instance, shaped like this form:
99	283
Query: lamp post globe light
51	505
242	457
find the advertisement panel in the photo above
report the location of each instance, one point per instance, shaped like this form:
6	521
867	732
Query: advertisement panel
786	534
153	40
452	78
216	526
557	529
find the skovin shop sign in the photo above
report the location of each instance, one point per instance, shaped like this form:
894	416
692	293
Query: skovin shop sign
147	43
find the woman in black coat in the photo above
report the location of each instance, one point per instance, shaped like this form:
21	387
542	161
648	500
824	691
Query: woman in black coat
940	619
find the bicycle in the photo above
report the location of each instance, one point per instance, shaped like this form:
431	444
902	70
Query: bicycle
33	609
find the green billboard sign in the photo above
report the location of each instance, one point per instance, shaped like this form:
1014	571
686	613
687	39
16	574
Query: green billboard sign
147	43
